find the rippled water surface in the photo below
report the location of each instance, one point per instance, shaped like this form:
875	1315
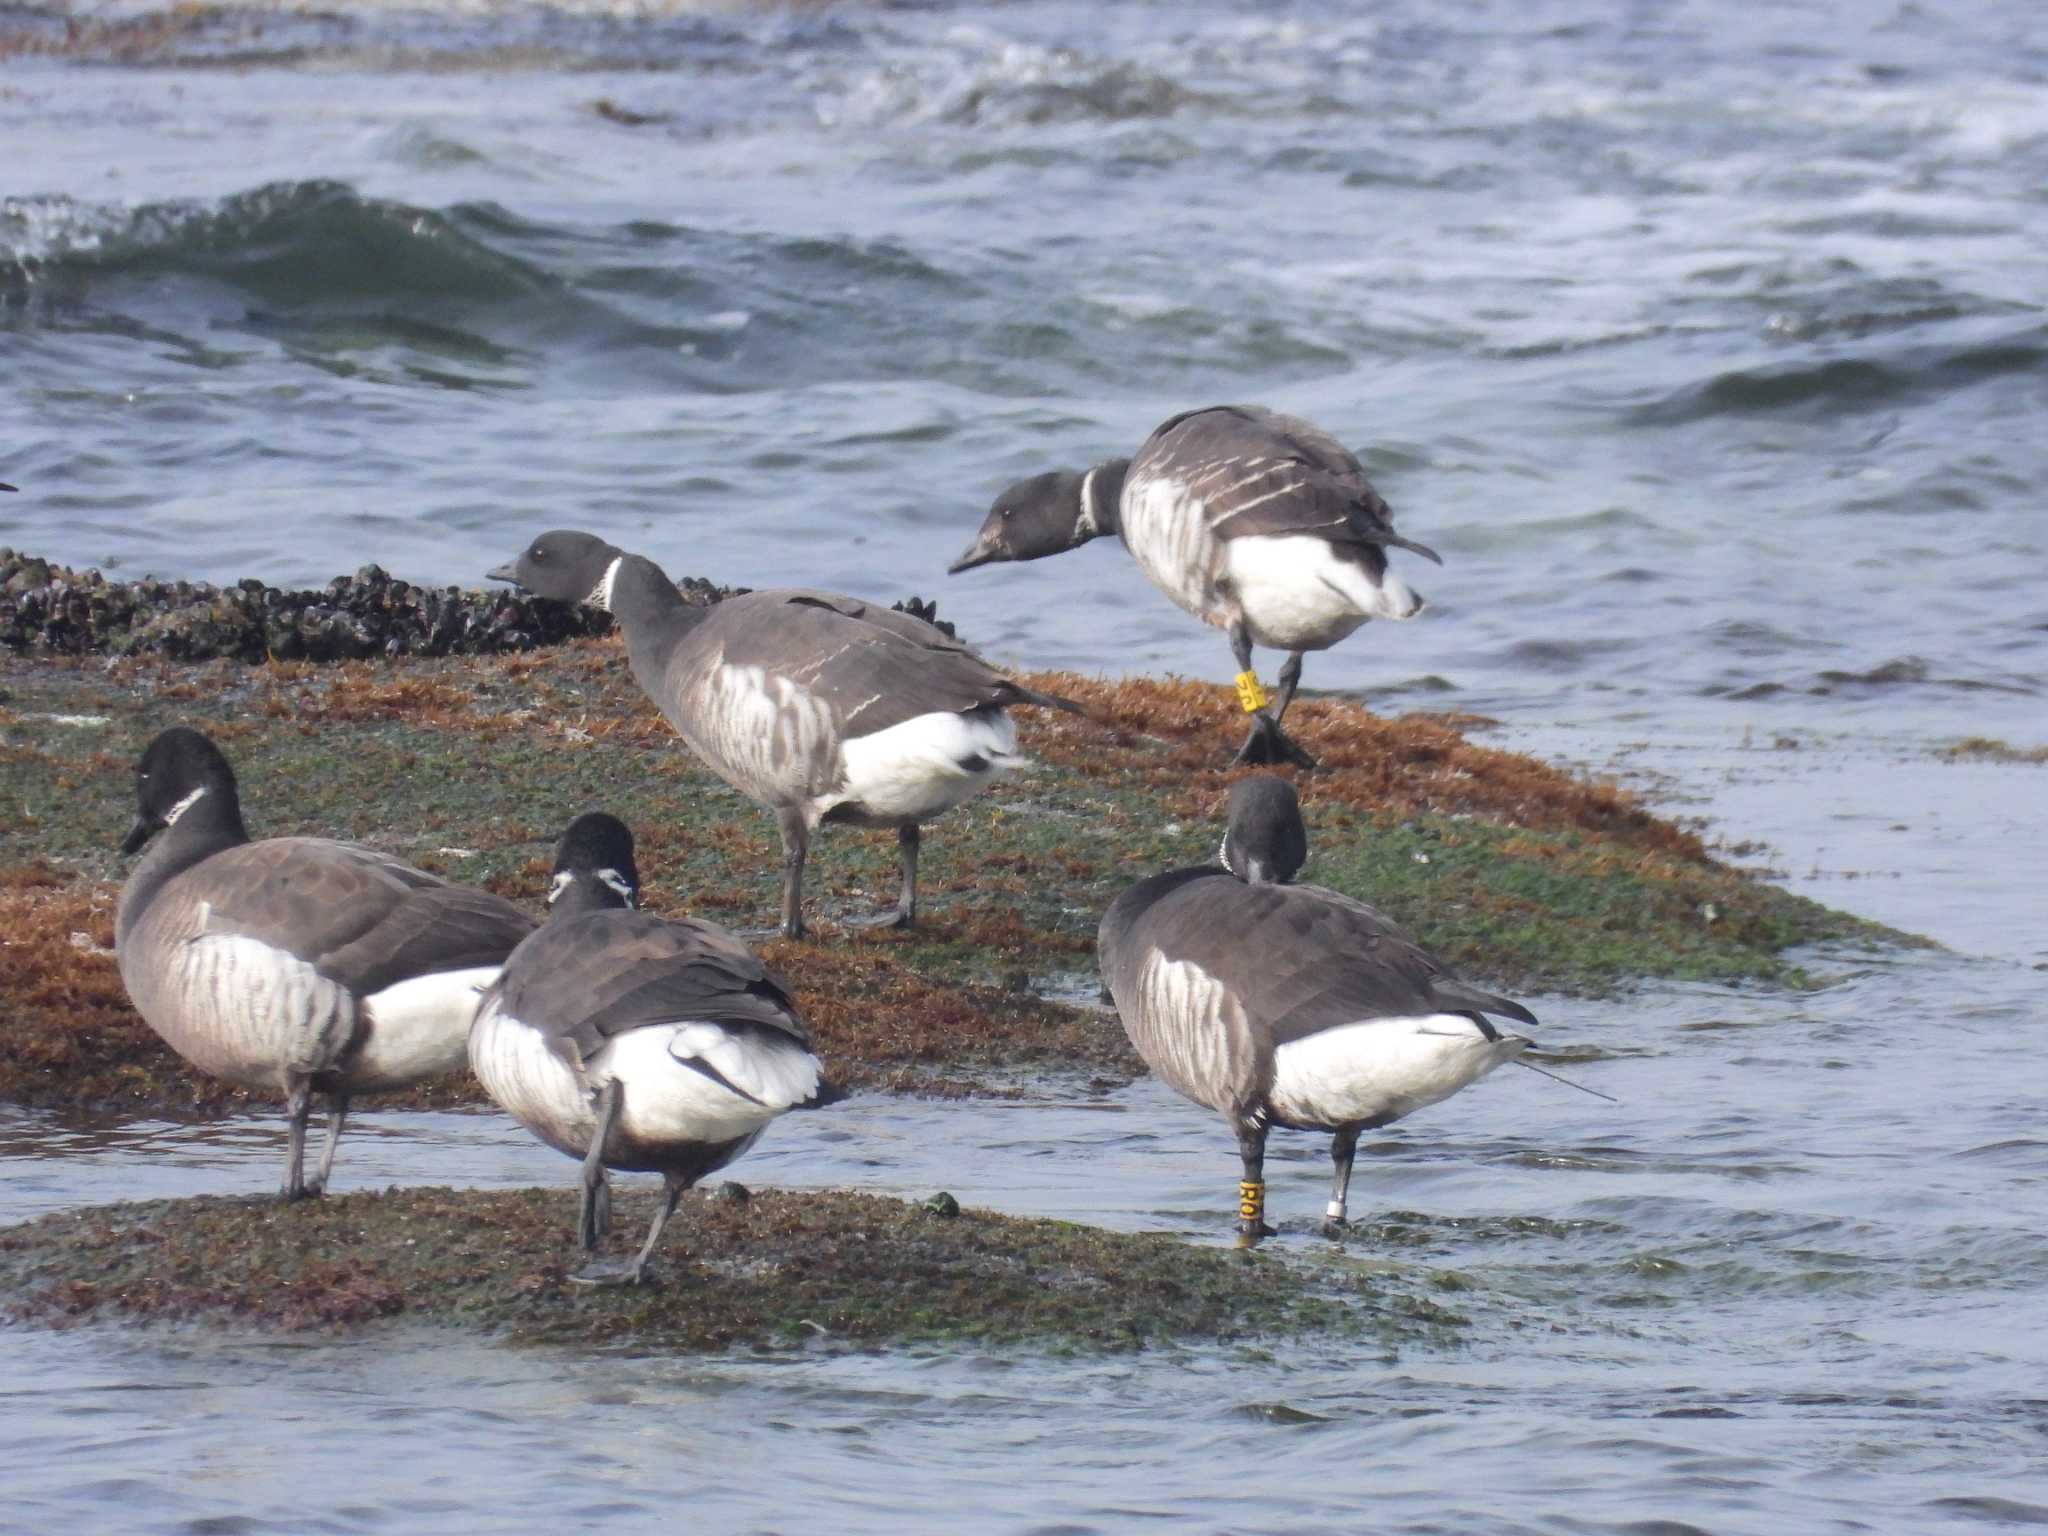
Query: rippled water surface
1706	341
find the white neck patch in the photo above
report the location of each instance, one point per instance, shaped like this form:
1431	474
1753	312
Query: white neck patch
1087	526
609	877
601	594
171	816
1223	854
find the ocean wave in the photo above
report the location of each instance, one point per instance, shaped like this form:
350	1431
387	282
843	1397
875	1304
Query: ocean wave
1845	384
286	244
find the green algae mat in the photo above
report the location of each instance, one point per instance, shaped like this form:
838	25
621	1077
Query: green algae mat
773	1270
1522	875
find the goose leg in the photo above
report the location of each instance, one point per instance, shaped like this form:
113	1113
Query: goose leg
1290	679
1343	1148
337	1112
796	842
905	913
1251	1190
594	1211
298	1108
671	1191
634	1273
1266	743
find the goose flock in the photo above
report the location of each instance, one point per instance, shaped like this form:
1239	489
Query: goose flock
635	1042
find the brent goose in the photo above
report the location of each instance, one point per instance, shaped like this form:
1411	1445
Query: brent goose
295	962
1281	1004
636	1042
1258	523
816	706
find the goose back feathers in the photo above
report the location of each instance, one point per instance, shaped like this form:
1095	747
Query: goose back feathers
638	1042
817	706
295	963
1282	1004
1258	523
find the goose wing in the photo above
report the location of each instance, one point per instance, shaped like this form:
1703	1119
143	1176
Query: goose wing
583	980
869	666
357	916
1256	473
1299	962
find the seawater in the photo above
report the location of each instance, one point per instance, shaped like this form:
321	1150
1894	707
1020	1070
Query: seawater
1705	341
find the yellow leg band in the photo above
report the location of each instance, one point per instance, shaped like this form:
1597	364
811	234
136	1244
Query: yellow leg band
1251	1200
1250	694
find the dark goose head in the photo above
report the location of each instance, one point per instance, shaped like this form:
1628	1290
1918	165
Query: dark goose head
568	566
1266	843
594	869
179	771
1058	510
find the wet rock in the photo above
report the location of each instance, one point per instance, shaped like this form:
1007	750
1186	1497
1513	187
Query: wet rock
943	1206
52	610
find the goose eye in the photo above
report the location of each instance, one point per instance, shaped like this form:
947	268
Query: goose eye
537	554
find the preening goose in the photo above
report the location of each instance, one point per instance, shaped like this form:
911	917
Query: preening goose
818	707
1279	1004
294	963
1258	523
636	1042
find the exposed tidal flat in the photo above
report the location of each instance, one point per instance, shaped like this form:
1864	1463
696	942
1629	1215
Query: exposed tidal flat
1704	341
1519	872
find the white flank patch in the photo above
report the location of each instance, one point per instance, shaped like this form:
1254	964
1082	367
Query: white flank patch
770	1067
1167	533
916	770
663	1102
766	736
418	1028
1383	1067
667	1101
1188	1028
1297	595
537	1085
238	1008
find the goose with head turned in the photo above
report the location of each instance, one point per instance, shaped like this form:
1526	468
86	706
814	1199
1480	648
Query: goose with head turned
818	707
1290	1005
636	1042
1260	524
294	963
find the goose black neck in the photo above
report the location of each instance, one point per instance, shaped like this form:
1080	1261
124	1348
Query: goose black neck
647	606
209	825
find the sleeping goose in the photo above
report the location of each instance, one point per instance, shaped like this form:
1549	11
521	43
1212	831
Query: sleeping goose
818	707
295	962
1280	1004
1258	523
636	1042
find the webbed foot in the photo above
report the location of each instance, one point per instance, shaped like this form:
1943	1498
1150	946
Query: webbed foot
611	1274
1269	746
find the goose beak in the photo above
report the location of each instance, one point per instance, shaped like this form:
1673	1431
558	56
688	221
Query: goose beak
502	573
978	553
143	830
